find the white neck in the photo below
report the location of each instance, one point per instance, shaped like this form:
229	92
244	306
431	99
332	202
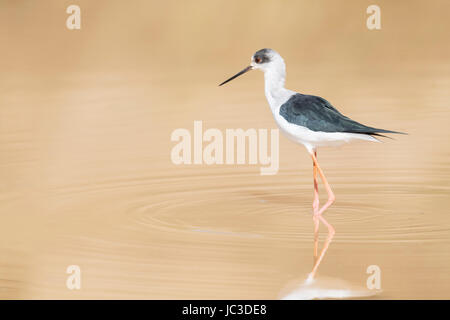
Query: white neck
276	94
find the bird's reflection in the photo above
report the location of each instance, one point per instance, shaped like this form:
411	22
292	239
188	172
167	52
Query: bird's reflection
323	287
317	258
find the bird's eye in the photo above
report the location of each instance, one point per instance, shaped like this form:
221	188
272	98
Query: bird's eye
258	60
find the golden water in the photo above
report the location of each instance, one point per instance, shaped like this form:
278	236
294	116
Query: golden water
87	179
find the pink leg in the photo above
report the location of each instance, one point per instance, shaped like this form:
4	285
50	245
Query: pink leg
315	206
318	217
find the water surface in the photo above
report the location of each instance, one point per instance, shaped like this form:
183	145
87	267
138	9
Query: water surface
87	177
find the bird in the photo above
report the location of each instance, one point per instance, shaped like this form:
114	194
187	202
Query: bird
310	121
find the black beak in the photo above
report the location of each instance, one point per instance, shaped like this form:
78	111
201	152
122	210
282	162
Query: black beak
237	75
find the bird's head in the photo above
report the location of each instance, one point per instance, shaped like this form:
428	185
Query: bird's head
264	60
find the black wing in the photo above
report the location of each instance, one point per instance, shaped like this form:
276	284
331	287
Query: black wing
317	114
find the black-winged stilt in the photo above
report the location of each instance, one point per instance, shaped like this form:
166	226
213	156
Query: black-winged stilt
311	121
